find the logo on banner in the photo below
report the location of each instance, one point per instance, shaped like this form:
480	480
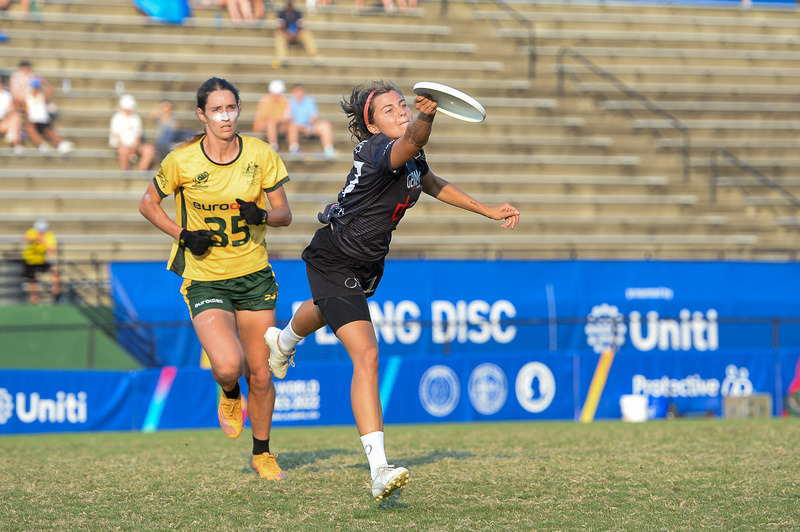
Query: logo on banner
692	330
535	387
439	391
605	329
297	400
66	407
6	406
488	388
736	383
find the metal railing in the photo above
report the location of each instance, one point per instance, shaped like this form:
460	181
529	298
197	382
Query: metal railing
754	173
91	296
676	124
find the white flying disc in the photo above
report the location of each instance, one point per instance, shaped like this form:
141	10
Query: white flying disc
452	102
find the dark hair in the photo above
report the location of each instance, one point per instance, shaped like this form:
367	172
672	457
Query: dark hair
354	109
211	85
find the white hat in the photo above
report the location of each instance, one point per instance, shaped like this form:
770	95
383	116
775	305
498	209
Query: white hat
41	225
277	86
127	102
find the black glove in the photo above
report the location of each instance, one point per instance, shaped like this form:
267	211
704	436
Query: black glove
325	216
197	242
251	213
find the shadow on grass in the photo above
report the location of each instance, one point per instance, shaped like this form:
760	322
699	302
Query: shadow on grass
435	456
289	461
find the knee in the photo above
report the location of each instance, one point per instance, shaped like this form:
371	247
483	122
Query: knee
367	361
227	372
260	381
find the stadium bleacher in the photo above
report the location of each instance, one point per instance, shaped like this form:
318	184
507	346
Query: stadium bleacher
593	172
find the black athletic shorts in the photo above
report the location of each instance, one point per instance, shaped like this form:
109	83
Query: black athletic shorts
331	273
32	269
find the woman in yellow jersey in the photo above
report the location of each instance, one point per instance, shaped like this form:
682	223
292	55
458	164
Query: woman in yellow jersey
220	179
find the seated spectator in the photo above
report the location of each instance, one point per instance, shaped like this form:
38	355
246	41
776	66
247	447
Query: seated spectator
171	11
20	86
311	5
305	121
10	119
40	120
273	114
24	5
126	135
405	5
290	30
388	5
247	11
40	248
167	133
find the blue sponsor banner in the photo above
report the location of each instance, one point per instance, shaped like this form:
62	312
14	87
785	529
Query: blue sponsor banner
429	308
495	386
64	401
151	293
693	385
520	386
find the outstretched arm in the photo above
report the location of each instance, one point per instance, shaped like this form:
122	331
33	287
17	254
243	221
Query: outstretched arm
417	133
446	192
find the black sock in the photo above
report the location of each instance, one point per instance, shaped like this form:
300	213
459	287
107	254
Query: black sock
233	394
260	446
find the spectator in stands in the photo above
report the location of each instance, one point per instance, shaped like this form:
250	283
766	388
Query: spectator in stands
20	83
10	119
24	5
305	122
167	132
40	120
311	5
228	285
39	252
127	136
345	259
243	10
405	5
273	114
291	29
388	5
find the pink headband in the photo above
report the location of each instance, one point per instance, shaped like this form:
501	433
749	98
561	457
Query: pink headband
366	108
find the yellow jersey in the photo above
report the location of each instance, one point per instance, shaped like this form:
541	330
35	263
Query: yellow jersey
37	246
205	198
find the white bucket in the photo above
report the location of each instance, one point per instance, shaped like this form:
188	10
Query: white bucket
634	408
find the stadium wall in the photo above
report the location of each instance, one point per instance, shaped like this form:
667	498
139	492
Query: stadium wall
527	386
465	341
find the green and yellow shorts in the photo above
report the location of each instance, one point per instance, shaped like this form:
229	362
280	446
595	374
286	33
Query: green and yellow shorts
255	291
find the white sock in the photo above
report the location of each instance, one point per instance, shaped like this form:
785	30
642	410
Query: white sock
376	454
288	339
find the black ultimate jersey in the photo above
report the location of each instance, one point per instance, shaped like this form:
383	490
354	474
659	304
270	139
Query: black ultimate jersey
375	198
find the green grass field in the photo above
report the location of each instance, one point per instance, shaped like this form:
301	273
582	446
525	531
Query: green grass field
660	475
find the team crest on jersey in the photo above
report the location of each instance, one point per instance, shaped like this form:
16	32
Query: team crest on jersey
162	179
250	173
200	180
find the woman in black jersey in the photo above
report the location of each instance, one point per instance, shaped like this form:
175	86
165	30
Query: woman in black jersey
345	259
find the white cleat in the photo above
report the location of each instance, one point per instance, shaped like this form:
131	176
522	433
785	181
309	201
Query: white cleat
387	479
279	361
